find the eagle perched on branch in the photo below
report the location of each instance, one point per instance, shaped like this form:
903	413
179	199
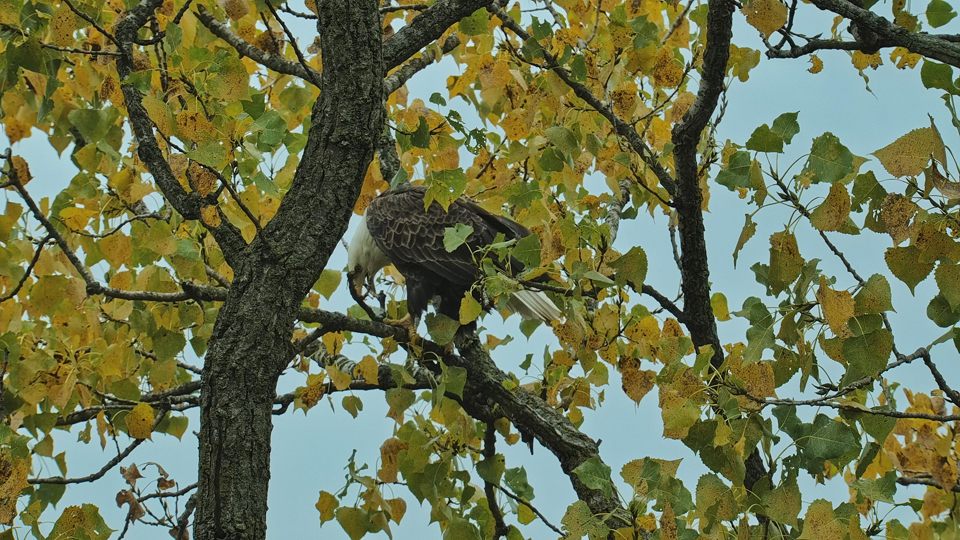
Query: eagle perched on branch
395	229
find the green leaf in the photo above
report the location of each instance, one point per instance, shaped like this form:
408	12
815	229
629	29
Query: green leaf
461	529
455	378
516	479
786	126
167	343
783	504
874	296
939	13
941	313
564	139
878	426
352	404
209	153
866	354
421	136
939	76
595	474
491	470
27	55
551	160
597	277
866	458
948	279
527	251
441	328
715	499
881	489
905	264
737	172
456	236
93	124
327	283
829	161
355	521
579	521
631	267
475	24
764	139
831	439
445	187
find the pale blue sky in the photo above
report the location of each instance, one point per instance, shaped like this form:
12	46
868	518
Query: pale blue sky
309	452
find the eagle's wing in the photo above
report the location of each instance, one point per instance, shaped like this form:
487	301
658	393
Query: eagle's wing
410	236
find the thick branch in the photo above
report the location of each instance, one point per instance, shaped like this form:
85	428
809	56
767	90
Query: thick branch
485	394
398	78
274	62
428	27
187	204
694	271
891	34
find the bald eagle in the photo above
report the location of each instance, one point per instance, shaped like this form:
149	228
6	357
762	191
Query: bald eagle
396	230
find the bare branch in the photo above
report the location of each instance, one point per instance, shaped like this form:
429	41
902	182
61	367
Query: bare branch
162	495
622	128
532	508
500	528
59	480
908	481
274	62
29	270
312	73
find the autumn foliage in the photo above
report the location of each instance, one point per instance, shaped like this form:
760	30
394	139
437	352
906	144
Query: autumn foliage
212	160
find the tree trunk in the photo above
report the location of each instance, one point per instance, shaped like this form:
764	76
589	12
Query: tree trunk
251	344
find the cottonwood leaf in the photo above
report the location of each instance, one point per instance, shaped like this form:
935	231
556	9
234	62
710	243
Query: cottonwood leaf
579	521
834	212
874	296
716	499
831	439
631	267
355	521
866	354
456	236
595	474
564	139
910	154
637	383
783	504
905	264
328	282
837	306
140	421
326	505
767	16
764	139
829	160
749	229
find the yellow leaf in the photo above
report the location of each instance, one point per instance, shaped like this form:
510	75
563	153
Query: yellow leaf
398	507
863	61
667	72
160	114
904	58
469	309
910	154
368	369
637	383
897	211
117	249
389	452
341	381
310	395
515	126
21	168
326	505
832	215
837	308
817	66
62	26
333	341
235	9
76	218
140	421
767	16
210	216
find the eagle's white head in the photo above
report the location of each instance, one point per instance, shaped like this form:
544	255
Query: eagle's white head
364	257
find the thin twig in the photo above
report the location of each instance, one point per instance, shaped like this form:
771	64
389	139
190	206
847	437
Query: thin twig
161	495
293	42
532	508
500	528
29	270
93	22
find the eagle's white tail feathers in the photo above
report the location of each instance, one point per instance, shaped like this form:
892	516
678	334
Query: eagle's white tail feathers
534	305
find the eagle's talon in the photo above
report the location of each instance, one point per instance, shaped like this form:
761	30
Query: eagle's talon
407	323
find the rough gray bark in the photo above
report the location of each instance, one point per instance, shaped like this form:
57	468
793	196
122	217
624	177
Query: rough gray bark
251	344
